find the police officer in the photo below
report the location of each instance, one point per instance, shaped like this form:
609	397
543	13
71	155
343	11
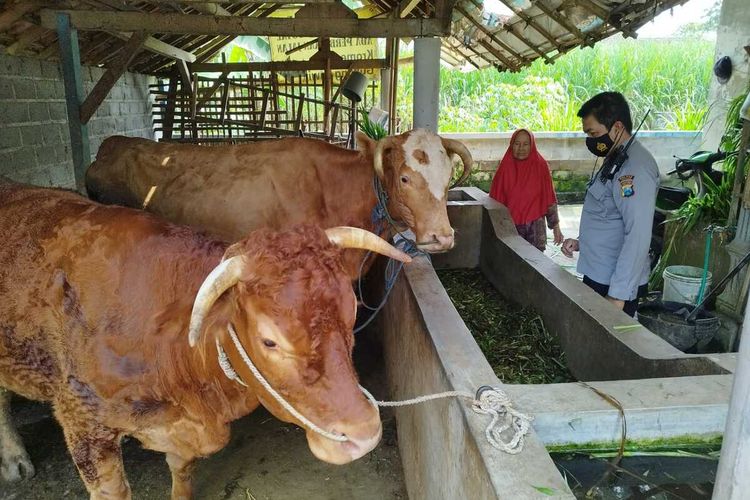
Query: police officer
615	229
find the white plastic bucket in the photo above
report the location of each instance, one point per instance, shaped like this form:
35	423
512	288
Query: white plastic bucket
682	283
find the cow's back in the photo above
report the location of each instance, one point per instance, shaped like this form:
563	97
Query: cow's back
82	287
229	190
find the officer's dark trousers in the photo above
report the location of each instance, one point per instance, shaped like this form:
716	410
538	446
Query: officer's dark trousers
630	305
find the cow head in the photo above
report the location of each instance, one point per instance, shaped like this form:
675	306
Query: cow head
416	169
293	308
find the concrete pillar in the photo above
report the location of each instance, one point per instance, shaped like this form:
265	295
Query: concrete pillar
732	478
426	82
732	35
385	88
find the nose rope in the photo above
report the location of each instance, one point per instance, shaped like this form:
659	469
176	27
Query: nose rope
491	401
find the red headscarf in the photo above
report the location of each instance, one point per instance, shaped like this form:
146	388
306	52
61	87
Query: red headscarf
524	186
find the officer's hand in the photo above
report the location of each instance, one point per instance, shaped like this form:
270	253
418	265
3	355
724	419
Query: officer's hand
569	246
617	302
558	235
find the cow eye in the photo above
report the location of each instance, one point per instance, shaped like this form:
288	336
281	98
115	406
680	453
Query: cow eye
405	179
269	343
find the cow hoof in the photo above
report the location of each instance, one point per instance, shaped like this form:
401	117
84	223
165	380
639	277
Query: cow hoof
17	468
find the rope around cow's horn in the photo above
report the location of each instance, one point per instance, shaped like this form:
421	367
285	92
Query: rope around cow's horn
491	401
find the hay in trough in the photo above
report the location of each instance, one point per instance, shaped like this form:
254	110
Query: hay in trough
515	341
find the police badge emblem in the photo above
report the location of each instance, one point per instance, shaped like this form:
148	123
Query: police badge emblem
627	189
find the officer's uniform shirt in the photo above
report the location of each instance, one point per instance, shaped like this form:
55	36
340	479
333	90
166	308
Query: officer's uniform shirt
615	231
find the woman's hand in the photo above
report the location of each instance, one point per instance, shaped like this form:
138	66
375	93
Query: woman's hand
569	246
557	234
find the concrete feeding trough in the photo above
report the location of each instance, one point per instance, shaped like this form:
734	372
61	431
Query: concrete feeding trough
667	396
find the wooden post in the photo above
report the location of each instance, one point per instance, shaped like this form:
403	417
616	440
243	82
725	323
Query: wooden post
70	61
298	119
171	104
325	46
393	89
108	79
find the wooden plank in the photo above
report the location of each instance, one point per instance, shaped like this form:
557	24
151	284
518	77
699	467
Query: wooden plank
300	107
530	21
488	46
171	104
71	70
29	36
187	82
563	21
406	6
332	133
158	47
280	66
221	25
236	2
264	108
224	102
15	11
110	77
603	14
211	91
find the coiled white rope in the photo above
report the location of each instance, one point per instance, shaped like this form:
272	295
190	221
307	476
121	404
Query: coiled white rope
491	401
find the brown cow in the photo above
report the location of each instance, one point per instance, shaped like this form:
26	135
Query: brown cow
229	190
95	308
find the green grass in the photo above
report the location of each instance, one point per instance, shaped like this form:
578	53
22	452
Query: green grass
514	340
670	77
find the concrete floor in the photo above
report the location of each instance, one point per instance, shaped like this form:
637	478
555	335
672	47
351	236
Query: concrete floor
570	217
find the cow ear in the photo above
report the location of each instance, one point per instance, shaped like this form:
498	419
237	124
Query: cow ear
364	143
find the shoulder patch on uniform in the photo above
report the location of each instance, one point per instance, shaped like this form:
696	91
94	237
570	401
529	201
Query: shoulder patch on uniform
627	187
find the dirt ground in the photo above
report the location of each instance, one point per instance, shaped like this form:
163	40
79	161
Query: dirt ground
266	459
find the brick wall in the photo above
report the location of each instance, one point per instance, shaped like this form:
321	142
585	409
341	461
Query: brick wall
34	137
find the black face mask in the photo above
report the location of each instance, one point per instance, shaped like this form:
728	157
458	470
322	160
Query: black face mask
601	145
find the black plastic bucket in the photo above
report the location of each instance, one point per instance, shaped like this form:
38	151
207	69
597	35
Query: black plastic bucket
666	320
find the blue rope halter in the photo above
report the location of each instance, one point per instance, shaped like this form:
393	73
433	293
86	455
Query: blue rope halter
381	218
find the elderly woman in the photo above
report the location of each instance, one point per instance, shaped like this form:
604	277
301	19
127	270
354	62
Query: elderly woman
524	185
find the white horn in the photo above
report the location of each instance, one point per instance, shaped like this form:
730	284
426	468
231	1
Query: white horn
223	276
356	237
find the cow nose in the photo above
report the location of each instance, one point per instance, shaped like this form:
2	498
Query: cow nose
445	241
359	447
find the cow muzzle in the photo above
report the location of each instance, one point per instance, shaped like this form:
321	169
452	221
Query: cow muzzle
360	442
437	243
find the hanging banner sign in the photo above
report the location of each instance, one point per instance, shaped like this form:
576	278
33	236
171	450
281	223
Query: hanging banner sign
348	48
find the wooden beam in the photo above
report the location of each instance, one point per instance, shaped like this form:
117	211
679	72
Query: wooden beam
71	70
171	105
563	21
29	36
15	11
158	47
210	8
211	91
236	2
492	37
108	79
530	21
603	14
406	6
287	66
221	25
456	49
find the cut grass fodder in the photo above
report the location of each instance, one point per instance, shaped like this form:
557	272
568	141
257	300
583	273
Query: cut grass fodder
514	340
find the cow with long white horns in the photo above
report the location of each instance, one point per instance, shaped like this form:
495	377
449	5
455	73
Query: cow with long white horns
130	325
229	190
